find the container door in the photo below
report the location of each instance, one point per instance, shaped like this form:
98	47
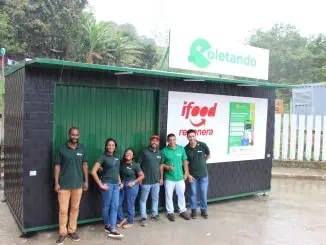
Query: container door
128	115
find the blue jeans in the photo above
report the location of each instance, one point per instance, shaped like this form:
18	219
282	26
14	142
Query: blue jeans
110	204
129	194
145	190
202	184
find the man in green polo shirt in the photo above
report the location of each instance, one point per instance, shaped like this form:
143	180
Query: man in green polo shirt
71	178
174	168
197	153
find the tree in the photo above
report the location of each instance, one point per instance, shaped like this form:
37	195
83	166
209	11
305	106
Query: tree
44	25
124	51
63	29
128	30
7	35
317	47
150	56
294	59
290	60
95	38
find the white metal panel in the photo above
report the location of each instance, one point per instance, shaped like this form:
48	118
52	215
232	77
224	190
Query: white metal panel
324	141
317	138
293	136
302	119
309	137
285	137
277	136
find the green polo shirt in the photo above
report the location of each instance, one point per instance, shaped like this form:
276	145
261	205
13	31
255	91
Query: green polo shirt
150	164
111	168
71	162
129	171
197	161
174	157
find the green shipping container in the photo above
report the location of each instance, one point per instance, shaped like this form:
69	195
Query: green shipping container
44	98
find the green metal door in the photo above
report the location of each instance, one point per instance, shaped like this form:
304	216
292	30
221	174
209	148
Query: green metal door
128	115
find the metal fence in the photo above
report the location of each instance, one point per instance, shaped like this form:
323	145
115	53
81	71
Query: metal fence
300	137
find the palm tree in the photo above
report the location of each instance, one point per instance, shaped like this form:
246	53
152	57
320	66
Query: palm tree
124	51
96	37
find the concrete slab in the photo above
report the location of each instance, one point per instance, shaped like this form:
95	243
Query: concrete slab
293	213
299	173
299	164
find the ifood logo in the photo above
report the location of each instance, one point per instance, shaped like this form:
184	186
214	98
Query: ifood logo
197	116
202	54
196	111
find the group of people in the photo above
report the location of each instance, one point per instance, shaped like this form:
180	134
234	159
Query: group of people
121	180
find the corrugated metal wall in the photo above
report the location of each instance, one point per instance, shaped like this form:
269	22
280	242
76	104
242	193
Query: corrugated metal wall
309	100
302	101
127	115
13	140
319	94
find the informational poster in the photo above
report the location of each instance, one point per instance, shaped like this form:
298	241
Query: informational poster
227	124
241	130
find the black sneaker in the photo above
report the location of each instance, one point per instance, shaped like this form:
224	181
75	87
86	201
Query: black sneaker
74	237
115	234
143	222
171	217
155	218
107	229
60	240
194	213
204	214
185	215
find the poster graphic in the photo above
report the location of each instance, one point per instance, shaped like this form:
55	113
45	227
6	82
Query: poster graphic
241	128
229	125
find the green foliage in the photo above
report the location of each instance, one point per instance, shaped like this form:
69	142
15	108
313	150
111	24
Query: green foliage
44	25
64	29
151	53
94	38
7	35
294	59
317	47
290	60
125	48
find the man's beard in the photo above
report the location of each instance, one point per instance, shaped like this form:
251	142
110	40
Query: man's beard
73	141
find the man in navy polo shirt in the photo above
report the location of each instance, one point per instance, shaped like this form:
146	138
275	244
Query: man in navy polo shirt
197	153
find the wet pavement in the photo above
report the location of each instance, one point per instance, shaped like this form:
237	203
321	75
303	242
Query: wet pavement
292	213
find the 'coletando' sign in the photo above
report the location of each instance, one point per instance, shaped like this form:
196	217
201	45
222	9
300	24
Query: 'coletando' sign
192	52
225	123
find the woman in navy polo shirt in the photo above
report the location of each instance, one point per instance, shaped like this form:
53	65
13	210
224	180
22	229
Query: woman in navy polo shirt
110	184
131	175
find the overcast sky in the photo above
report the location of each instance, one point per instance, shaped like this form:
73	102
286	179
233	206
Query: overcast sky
232	19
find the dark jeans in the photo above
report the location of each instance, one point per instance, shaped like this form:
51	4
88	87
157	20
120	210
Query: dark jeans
128	194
